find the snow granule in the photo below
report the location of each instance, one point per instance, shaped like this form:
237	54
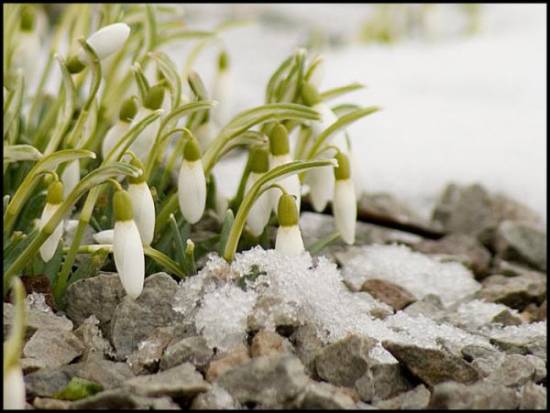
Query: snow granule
476	313
418	273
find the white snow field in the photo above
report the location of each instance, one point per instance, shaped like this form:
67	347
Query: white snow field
463	109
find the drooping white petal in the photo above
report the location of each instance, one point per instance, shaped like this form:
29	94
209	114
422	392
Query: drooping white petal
47	250
113	136
321	186
104	237
14	389
70	177
144	142
221	93
107	40
260	211
291	183
289	240
192	190
344	207
144	210
328	118
128	256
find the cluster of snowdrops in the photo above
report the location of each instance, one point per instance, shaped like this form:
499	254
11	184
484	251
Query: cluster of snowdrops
129	143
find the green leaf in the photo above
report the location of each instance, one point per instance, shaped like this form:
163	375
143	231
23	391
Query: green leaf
14	343
14	103
90	265
226	227
319	245
164	261
341	90
78	389
168	69
141	81
178	241
14	153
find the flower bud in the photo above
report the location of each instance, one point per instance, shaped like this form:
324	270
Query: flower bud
142	205
259	213
127	246
221	91
344	203
310	95
192	183
54	198
289	238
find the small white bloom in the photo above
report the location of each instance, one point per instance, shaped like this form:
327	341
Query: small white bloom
112	137
127	246
259	213
344	203
144	210
144	142
129	258
107	40
289	240
192	190
71	176
321	186
221	92
104	237
14	389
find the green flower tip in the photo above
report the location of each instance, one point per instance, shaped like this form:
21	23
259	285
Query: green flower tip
154	98
278	140
27	19
128	110
192	151
122	206
55	193
310	94
223	61
74	65
343	170
287	211
141	178
259	159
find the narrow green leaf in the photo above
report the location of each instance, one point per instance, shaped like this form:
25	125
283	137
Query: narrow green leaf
341	90
15	153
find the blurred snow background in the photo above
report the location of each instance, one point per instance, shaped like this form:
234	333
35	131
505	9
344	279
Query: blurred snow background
456	107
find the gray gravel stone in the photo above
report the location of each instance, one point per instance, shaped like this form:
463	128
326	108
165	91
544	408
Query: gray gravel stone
320	395
146	358
36	319
194	350
482	395
415	399
432	366
271	381
98	296
533	396
108	373
96	346
46	382
345	361
515	292
521	242
429	306
182	381
484	360
516	370
135	320
307	345
53	347
381	381
392	294
268	343
215	398
123	399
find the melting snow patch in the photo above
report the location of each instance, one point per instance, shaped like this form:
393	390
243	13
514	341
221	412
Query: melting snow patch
416	272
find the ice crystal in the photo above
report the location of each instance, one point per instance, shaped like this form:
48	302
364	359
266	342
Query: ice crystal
416	272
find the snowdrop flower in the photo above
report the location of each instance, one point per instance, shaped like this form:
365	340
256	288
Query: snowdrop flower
344	204
105	42
221	91
142	204
71	176
104	237
127	246
192	183
259	213
54	199
289	238
127	112
28	46
144	142
14	389
279	149
206	133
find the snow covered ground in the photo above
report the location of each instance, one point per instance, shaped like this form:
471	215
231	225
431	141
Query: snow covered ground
458	109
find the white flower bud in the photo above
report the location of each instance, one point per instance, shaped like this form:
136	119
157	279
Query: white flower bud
344	207
321	186
144	142
144	210
192	190
14	389
106	41
289	240
259	213
71	176
53	202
